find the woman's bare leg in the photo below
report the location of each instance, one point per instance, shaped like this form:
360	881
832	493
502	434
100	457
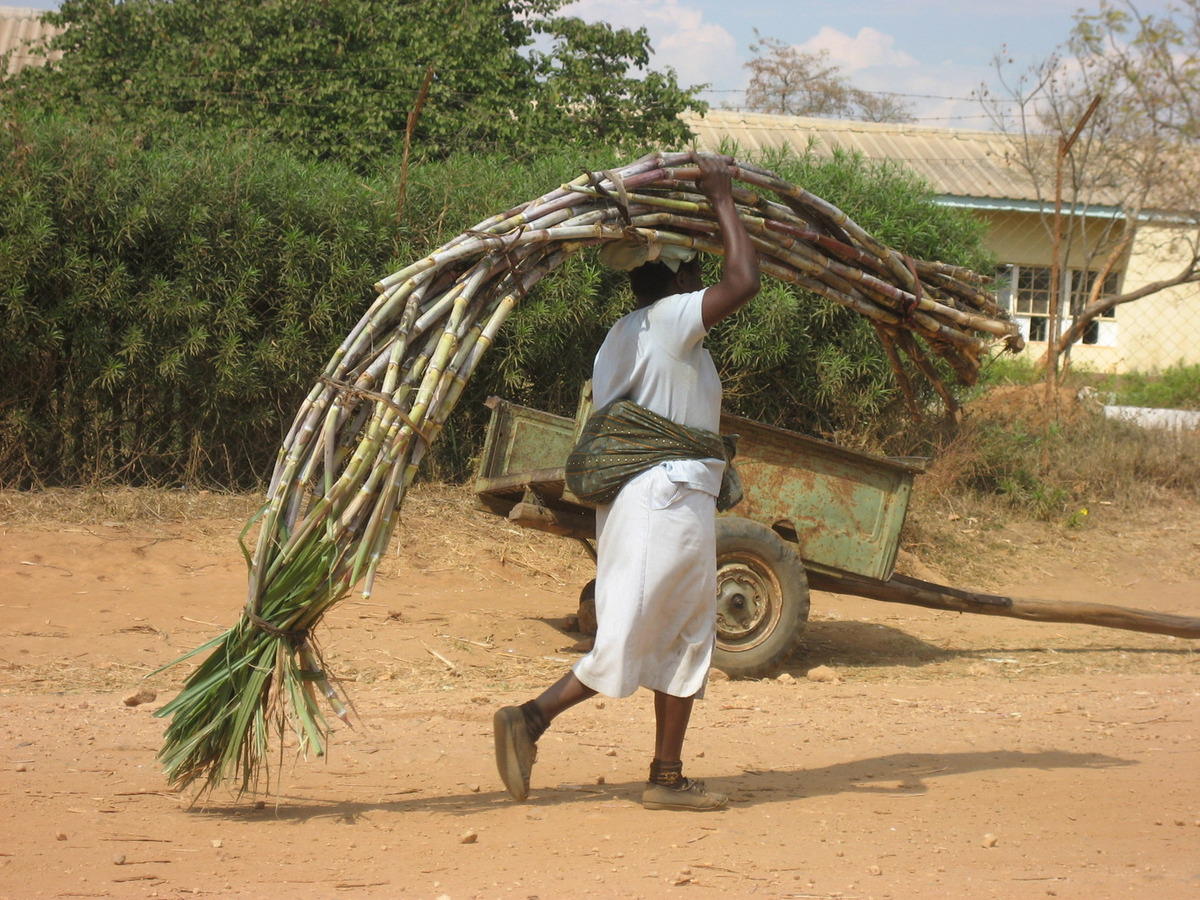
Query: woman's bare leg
671	716
666	787
561	696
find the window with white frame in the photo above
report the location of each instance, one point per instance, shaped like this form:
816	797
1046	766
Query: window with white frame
1025	292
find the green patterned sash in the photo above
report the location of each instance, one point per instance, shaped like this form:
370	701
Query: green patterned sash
624	439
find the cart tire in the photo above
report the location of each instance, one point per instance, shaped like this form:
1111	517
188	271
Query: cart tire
587	609
762	599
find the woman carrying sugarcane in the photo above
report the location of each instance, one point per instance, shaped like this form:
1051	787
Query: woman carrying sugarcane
656	541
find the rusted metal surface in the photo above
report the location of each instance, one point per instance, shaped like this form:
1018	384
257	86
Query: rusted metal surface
521	471
844	509
524	440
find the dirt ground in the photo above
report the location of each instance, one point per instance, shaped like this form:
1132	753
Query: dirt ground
955	756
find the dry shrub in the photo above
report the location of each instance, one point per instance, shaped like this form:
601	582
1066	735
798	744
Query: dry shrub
1011	463
1051	462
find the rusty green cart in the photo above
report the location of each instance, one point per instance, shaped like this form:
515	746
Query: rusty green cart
809	507
814	515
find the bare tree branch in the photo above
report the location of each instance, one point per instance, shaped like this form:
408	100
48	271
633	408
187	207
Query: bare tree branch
1140	154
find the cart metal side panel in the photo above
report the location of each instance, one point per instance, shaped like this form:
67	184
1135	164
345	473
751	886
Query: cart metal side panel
522	441
844	509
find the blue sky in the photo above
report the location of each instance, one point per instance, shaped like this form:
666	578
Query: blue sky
936	51
917	47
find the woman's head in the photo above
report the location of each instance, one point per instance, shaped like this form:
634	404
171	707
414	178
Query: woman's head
654	280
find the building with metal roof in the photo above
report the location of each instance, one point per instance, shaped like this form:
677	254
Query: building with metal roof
981	171
956	163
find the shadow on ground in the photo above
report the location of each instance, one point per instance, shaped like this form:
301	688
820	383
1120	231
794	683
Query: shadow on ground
836	643
849	643
897	775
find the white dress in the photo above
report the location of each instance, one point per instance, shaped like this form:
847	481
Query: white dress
656	578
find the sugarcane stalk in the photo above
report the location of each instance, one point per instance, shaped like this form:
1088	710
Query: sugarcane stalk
355	444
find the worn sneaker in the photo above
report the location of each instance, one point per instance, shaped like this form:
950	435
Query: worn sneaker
515	750
689	795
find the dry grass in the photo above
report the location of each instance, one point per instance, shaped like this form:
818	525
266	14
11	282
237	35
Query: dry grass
1044	462
443	527
125	505
1015	462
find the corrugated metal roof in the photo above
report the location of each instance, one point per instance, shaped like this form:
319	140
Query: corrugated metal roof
956	162
977	168
20	30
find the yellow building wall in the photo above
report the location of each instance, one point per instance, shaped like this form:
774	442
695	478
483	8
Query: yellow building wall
1164	328
1150	334
1021	237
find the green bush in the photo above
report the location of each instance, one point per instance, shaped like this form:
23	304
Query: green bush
1177	387
337	79
164	306
162	309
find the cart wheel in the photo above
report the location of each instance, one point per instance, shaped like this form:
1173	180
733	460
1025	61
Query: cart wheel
587	608
762	598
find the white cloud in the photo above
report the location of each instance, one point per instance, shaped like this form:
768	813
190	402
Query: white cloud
700	51
935	92
867	49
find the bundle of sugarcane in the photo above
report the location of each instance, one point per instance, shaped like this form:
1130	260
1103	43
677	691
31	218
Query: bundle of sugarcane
358	438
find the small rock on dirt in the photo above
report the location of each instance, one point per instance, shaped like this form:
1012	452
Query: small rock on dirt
785	678
142	695
119	859
874	870
260	804
824	675
60	835
990	840
21	767
468	837
474	788
216	842
610	752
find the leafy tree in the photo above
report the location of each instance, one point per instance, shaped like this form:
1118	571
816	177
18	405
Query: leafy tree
1136	152
585	93
789	81
337	78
